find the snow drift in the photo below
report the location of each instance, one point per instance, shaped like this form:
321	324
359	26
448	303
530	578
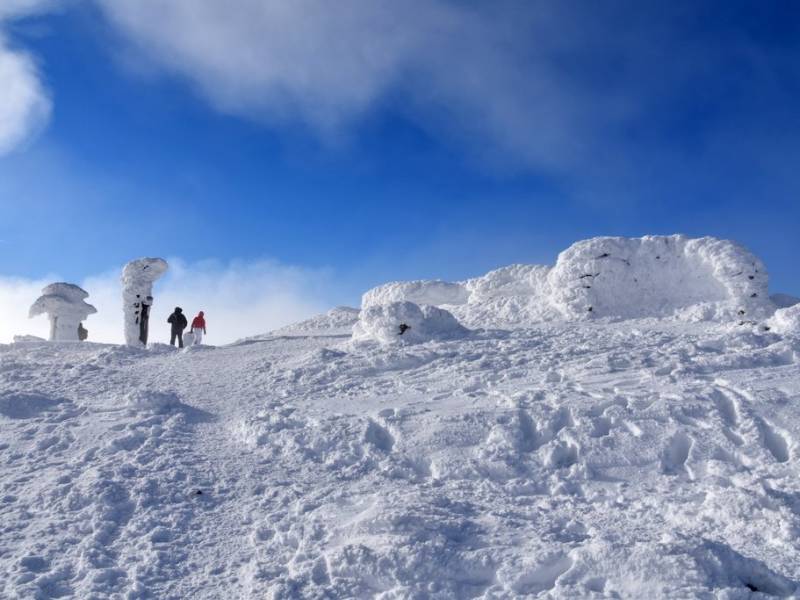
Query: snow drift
381	323
653	276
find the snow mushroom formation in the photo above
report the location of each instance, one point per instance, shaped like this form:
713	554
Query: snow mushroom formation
653	276
138	277
382	323
65	305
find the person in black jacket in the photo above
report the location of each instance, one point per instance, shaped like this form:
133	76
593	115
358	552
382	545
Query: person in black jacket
179	323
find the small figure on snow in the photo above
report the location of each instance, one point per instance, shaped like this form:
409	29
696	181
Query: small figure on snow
83	333
199	328
403	328
179	323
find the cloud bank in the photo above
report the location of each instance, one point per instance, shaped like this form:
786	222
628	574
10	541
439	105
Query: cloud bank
240	299
24	102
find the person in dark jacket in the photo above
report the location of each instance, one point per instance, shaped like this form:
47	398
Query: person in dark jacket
179	323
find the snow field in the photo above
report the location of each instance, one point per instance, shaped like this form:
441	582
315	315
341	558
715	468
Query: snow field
634	459
646	448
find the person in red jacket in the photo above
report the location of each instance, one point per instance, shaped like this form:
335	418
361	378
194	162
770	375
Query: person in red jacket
199	327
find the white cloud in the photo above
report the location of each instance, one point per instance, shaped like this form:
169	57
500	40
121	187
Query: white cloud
489	74
240	299
24	103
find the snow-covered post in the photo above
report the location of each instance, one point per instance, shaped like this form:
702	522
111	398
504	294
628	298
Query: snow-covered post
137	297
64	305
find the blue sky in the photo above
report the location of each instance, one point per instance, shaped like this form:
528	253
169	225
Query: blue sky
381	140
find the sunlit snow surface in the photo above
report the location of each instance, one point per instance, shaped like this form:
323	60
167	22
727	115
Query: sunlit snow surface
635	459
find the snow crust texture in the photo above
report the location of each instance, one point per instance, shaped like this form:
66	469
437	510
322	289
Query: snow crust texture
65	306
653	276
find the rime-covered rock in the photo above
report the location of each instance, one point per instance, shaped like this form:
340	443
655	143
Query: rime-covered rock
786	320
382	323
653	276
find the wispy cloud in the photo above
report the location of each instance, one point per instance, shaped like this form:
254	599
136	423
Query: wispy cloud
591	91
24	102
462	70
240	299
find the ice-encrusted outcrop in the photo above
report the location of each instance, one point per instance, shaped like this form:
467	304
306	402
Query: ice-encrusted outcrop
786	320
382	322
653	276
65	305
660	276
138	277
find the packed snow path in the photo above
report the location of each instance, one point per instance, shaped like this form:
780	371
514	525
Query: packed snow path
595	460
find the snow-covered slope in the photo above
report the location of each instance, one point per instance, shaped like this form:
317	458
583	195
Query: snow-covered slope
637	459
653	454
652	276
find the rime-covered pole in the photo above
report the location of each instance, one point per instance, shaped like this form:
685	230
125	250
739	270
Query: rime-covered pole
138	277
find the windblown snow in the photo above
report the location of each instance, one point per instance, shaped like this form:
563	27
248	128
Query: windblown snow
514	445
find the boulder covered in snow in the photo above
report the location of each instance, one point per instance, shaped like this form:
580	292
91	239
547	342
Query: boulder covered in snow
65	306
786	320
660	276
652	276
138	277
382	323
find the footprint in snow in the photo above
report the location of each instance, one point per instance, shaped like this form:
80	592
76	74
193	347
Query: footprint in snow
379	437
673	460
773	440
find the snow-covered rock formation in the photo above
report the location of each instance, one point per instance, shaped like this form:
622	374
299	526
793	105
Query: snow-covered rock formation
653	276
786	320
382	323
65	306
138	277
